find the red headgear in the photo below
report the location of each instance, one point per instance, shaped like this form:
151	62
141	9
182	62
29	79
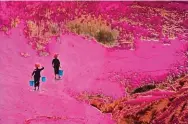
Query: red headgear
37	65
56	55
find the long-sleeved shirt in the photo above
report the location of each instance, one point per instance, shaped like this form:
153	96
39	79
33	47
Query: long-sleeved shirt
56	63
36	72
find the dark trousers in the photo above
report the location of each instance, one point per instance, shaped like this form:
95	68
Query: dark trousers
56	70
36	81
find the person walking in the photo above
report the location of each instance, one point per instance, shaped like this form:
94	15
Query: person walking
56	66
36	74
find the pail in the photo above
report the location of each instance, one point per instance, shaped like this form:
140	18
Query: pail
31	83
43	79
61	72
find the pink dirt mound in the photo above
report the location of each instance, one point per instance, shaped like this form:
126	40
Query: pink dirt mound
87	66
19	104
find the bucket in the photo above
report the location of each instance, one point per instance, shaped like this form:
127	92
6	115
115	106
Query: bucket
61	72
31	83
43	79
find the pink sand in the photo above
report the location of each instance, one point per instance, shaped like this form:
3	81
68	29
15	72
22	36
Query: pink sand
150	96
159	93
144	99
86	65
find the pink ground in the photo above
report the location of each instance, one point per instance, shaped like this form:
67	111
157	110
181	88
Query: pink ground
87	66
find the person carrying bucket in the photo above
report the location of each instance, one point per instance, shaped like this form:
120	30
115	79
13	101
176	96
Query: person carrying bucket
56	65
36	74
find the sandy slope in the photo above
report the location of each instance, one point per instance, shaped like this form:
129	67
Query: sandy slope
19	103
87	66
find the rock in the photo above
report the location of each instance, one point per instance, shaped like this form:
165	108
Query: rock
23	54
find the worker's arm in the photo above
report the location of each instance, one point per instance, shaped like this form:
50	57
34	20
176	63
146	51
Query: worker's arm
33	73
42	69
53	62
59	64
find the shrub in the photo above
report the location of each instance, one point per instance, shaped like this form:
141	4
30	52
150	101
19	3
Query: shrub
105	37
144	88
93	27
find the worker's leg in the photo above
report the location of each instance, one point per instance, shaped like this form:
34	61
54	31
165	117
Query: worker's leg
35	84
56	71
38	83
